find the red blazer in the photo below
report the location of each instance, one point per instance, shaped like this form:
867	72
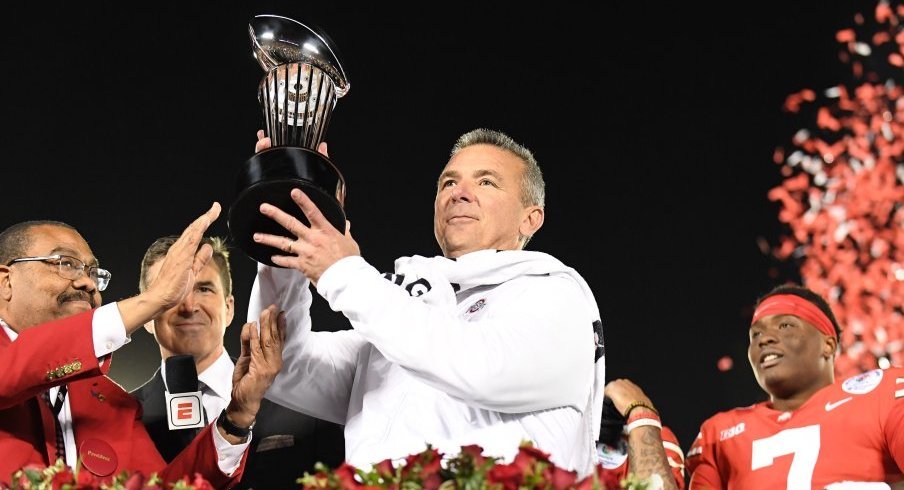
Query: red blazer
63	352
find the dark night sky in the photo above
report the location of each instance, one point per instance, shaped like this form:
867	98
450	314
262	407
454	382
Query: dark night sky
655	127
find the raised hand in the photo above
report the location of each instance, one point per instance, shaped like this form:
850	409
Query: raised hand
623	392
315	247
258	364
182	263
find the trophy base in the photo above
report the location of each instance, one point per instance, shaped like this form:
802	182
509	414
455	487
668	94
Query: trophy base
269	177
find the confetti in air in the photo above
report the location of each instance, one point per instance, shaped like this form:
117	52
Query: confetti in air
725	363
843	198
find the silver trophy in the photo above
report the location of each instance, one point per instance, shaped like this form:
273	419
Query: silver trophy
302	83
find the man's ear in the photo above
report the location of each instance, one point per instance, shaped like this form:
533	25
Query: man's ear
531	221
830	347
6	287
149	326
230	309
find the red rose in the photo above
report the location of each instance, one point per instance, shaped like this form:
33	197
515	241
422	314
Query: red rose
429	461
385	469
86	480
532	452
200	483
607	478
432	481
64	477
475	452
431	467
346	475
561	478
135	482
508	475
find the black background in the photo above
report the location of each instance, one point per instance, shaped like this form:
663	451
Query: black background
654	125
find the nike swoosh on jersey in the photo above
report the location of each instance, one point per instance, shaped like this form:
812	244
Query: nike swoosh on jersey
833	405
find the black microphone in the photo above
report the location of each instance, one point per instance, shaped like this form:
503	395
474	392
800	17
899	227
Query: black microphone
184	409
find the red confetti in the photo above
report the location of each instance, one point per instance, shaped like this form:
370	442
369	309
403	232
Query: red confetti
883	12
725	364
843	197
825	120
778	156
881	38
845	36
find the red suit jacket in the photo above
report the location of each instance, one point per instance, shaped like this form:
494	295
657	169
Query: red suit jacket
63	352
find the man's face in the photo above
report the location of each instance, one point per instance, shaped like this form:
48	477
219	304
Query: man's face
478	202
35	293
788	355
197	324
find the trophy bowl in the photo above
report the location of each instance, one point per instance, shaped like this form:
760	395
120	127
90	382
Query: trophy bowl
302	82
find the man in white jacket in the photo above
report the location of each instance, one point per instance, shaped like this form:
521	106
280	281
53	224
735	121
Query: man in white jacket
488	345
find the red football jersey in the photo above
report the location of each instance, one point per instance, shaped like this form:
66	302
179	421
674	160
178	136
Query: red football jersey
847	432
615	459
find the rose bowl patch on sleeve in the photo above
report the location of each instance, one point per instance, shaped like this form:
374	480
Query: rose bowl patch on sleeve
863	383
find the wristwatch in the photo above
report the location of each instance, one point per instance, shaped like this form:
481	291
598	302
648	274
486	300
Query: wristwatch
231	428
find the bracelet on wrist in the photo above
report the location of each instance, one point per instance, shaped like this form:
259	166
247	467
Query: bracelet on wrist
641	414
231	428
643	422
638	403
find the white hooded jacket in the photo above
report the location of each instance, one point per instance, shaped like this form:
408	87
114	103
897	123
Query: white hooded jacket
493	348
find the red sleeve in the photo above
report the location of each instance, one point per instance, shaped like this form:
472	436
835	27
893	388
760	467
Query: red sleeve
701	460
893	416
201	456
675	455
47	355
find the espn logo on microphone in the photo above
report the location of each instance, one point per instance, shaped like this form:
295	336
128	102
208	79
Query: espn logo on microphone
184	410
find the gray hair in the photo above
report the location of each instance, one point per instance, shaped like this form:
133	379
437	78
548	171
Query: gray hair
533	188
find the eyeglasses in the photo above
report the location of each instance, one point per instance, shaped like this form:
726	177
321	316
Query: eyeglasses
71	268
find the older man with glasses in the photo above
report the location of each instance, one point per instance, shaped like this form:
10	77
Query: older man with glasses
55	343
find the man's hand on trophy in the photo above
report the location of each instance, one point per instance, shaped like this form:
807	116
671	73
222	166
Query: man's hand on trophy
263	142
316	247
